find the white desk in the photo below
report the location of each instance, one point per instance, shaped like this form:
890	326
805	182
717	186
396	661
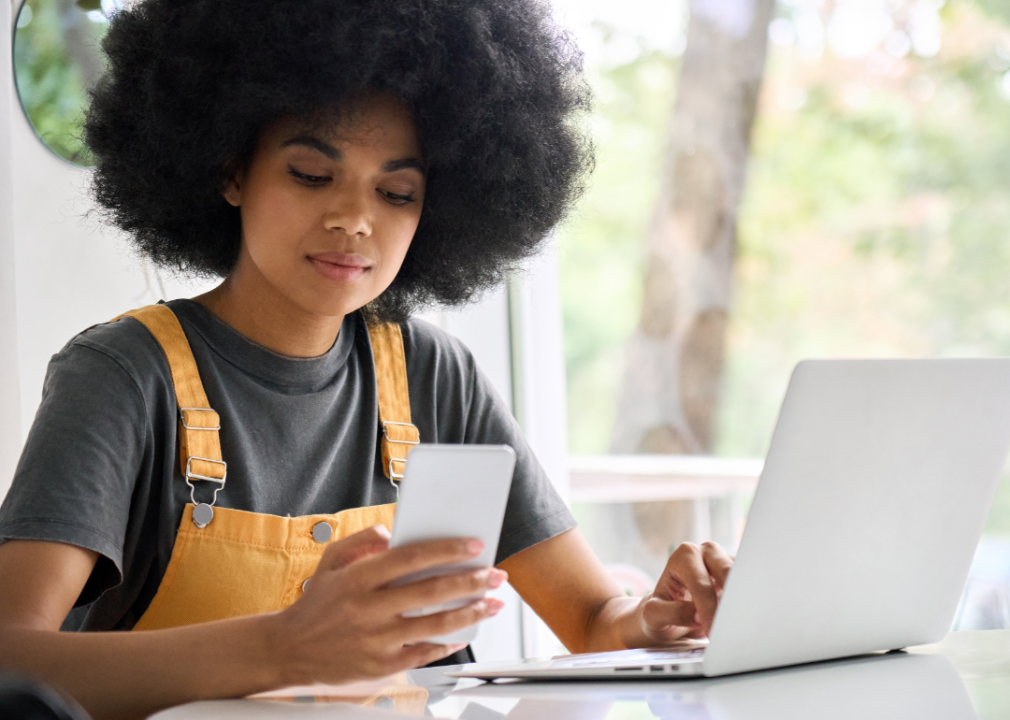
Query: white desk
965	676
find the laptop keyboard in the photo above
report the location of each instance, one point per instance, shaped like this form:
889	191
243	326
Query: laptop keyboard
655	660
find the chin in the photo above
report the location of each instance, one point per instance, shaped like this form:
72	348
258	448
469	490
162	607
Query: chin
334	307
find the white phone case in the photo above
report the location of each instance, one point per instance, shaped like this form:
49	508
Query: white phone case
453	491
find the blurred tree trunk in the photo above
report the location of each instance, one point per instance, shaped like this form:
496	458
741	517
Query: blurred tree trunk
80	39
674	363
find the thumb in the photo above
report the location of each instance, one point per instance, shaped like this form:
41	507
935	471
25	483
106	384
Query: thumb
665	615
358	546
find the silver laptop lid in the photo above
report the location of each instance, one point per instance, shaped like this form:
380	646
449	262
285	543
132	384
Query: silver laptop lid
872	500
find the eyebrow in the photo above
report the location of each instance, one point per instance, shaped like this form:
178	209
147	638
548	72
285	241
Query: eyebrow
333	154
404	164
316	144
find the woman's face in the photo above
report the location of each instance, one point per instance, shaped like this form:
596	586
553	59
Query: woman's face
328	215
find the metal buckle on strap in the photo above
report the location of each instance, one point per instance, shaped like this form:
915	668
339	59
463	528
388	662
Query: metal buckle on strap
182	419
194	476
395	475
385	434
190	475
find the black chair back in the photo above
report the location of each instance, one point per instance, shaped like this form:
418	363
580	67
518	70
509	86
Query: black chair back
22	698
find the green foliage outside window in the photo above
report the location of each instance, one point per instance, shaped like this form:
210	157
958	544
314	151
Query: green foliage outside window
602	246
876	221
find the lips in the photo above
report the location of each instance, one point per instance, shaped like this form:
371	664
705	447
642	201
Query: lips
340	267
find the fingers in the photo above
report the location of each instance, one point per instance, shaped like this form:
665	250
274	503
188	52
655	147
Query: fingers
687	566
438	590
718	563
355	547
701	571
421	654
404	657
417	629
397	562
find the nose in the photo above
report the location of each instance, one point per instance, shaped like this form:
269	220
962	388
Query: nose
349	211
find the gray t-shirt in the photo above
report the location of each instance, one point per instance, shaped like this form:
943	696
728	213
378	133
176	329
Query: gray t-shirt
100	468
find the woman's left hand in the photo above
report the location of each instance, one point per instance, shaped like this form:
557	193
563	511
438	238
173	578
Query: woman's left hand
684	602
566	585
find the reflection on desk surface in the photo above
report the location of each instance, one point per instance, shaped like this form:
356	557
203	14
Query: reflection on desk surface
880	687
967	676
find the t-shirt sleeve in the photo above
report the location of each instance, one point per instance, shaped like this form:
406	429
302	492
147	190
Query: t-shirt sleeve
75	479
458	404
535	512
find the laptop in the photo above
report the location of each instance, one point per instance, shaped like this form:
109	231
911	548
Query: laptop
873	496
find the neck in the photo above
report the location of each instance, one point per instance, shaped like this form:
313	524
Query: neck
254	308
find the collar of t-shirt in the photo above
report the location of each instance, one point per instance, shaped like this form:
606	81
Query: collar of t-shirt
293	374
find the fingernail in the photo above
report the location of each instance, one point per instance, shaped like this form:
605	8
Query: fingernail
494	607
457	647
474	547
495	578
697	619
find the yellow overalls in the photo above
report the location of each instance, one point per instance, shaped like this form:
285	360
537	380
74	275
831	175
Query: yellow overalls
227	563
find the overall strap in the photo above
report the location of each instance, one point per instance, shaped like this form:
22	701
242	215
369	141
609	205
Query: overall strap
399	435
199	444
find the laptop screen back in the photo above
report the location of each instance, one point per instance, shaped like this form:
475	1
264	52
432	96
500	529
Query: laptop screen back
872	500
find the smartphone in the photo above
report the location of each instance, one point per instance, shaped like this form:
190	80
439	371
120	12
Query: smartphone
451	491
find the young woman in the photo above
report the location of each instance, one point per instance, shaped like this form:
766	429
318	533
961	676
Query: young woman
218	474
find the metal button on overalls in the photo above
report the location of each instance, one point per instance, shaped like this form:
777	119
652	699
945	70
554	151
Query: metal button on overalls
322	532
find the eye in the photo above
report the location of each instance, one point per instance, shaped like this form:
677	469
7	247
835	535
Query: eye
310	180
396	199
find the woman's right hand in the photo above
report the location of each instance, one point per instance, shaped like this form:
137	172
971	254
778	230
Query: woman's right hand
349	623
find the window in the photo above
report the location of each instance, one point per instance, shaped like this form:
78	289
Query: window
873	222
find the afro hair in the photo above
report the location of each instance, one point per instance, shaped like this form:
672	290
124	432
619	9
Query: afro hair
495	87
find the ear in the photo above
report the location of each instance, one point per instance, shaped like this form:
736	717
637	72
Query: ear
231	189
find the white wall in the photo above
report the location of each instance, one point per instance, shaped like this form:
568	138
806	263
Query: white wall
72	272
61	269
69	270
10	392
